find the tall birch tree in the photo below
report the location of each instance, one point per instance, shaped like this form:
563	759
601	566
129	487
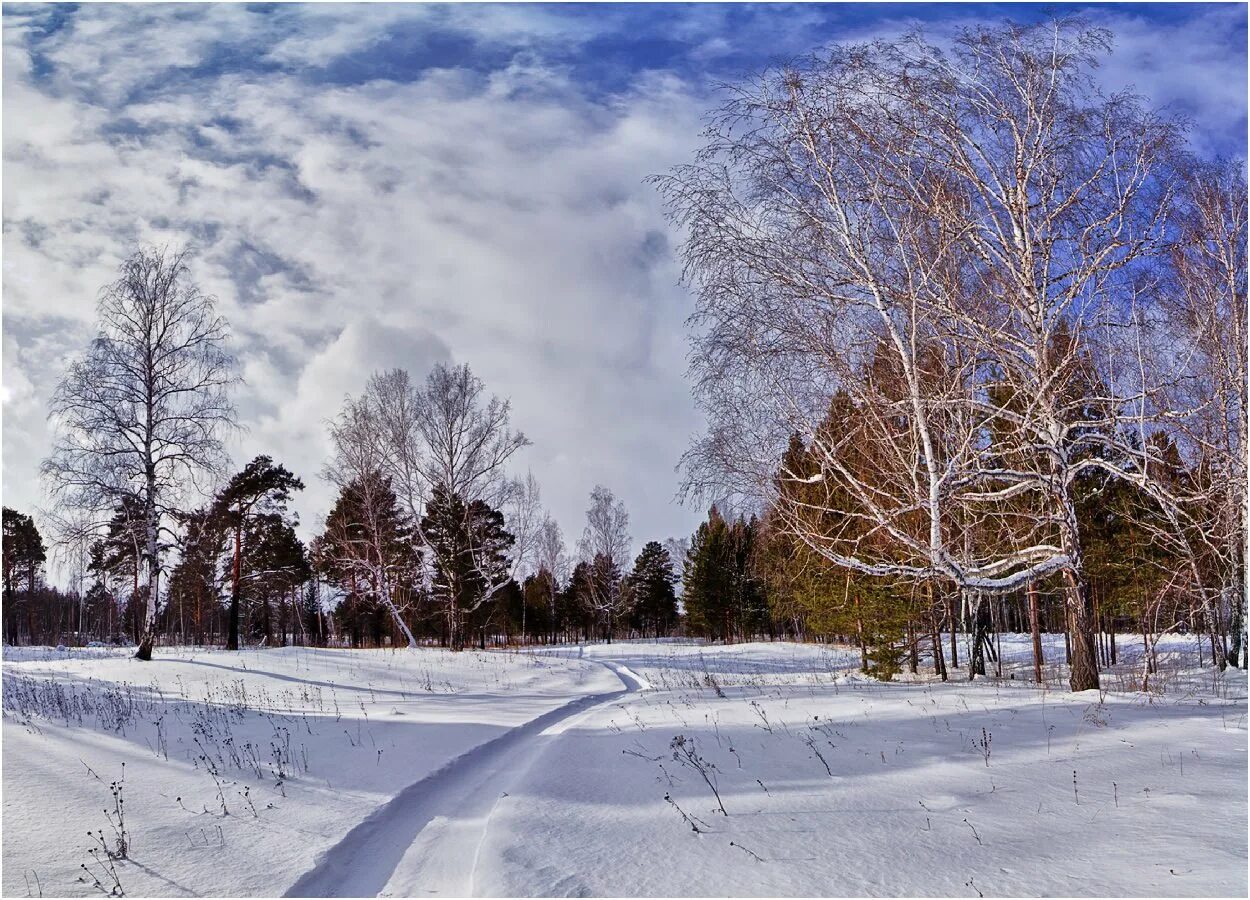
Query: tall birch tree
142	413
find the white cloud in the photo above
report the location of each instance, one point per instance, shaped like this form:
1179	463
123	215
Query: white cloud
500	221
493	217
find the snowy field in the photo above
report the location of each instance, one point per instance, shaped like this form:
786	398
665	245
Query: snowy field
639	768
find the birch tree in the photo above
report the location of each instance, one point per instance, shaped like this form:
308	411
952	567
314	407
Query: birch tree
1064	193
142	413
820	271
448	436
928	232
605	547
368	546
552	558
1200	368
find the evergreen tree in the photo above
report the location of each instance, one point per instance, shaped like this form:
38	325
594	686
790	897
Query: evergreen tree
368	551
606	595
538	591
195	582
707	589
261	488
652	581
24	556
468	547
310	623
275	567
100	612
575	602
117	558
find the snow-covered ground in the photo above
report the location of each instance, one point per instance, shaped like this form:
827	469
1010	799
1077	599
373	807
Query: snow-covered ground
240	768
603	771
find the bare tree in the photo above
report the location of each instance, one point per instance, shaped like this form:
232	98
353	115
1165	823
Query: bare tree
363	542
523	512
605	546
1063	196
549	549
141	414
448	435
927	233
73	532
447	432
678	549
551	557
524	515
1200	370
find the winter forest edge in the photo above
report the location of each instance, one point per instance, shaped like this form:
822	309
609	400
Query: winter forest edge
969	343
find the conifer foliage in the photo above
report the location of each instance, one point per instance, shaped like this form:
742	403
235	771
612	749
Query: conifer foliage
469	545
368	552
652	585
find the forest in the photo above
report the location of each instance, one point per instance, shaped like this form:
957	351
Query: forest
555	450
968	337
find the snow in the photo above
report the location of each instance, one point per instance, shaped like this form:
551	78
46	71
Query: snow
547	773
360	727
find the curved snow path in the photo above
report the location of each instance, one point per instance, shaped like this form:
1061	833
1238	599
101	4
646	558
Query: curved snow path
458	798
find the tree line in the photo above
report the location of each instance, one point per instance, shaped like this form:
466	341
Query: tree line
430	537
242	576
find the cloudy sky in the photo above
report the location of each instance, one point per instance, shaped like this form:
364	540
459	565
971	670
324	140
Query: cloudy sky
385	185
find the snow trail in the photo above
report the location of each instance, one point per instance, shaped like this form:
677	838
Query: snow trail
450	807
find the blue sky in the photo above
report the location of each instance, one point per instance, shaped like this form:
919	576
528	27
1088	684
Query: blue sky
399	185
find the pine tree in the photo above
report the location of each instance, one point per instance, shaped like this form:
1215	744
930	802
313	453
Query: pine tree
652	581
723	589
24	556
262	488
195	582
312	624
538	590
275	567
575	602
707	588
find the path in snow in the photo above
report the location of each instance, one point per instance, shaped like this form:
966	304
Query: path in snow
429	834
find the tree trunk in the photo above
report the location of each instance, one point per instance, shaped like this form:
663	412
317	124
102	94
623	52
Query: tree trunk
1035	628
1236	627
1083	674
152	563
977	664
997	647
232	636
859	632
950	605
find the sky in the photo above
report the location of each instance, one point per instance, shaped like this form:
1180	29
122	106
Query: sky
378	186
